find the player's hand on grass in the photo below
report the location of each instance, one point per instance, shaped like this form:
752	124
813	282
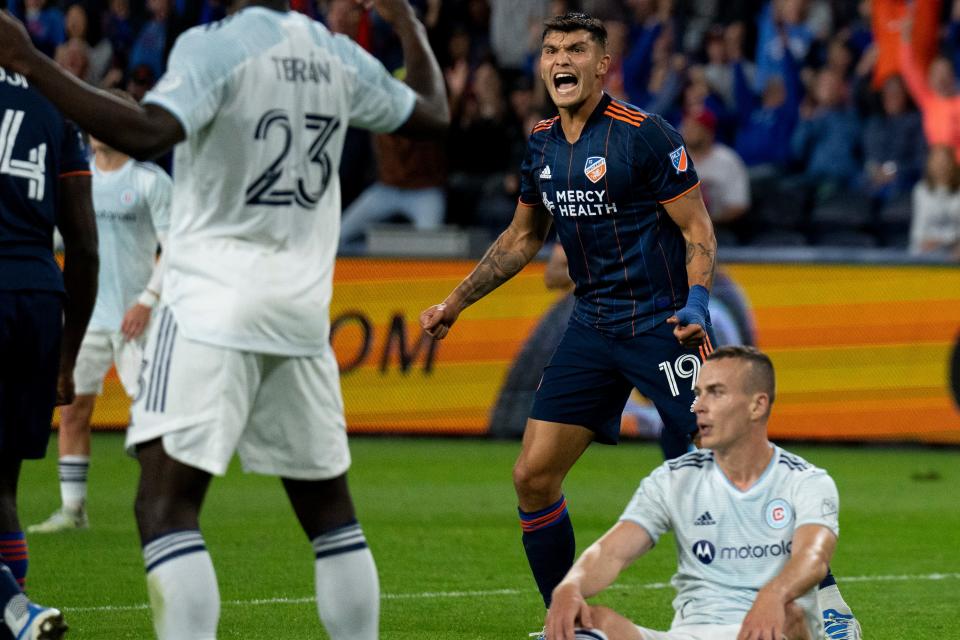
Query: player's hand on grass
438	319
568	610
135	321
16	49
766	620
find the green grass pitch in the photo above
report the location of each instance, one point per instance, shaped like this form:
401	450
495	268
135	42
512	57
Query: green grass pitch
440	516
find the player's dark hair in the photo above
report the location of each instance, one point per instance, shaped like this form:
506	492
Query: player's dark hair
761	367
577	21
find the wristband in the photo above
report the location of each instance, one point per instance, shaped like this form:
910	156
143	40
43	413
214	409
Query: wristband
695	311
148	299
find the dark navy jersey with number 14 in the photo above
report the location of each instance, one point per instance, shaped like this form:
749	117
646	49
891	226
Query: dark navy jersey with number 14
37	148
606	194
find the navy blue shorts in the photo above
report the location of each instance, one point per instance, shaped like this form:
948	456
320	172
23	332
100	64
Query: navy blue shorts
590	377
31	323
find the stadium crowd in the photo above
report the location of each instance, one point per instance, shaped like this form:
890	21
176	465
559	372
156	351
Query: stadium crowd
810	122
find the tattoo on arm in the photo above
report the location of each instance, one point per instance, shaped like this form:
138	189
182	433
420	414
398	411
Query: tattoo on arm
498	265
705	257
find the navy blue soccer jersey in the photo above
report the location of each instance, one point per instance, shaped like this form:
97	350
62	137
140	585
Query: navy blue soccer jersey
605	192
37	147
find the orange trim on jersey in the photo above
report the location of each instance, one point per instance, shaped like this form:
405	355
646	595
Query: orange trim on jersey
625	111
622	119
70	174
677	197
521	202
709	345
543	125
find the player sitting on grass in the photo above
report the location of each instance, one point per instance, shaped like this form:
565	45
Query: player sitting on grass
755	526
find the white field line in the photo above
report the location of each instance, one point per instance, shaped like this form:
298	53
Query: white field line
427	595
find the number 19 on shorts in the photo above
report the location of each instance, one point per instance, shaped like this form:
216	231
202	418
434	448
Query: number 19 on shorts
686	367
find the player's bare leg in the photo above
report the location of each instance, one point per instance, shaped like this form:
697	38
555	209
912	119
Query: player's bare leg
549	450
180	578
348	589
614	625
73	441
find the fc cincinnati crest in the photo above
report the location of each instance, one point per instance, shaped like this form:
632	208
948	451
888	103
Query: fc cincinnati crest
678	157
595	168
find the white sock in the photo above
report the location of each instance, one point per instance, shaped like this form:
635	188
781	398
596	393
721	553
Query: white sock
182	587
73	481
348	590
830	598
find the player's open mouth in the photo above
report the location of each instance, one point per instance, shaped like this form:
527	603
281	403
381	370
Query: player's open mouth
565	83
705	429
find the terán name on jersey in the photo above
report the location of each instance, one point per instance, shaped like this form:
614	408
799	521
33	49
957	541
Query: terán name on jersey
301	70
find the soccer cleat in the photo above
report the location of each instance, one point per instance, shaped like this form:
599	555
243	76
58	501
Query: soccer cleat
839	626
538	635
43	623
61	520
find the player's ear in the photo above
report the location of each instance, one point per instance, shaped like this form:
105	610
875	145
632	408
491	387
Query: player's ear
603	65
759	406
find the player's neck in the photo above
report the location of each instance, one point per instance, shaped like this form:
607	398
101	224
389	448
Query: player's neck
109	160
744	463
575	118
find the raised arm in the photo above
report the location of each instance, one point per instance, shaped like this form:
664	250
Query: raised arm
431	113
504	259
141	132
813	546
690	214
594	571
81	265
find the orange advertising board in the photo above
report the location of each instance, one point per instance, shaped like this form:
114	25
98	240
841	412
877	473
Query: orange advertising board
862	352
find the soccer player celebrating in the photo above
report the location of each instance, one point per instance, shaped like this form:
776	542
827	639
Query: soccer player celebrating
623	193
238	358
755	526
132	203
44	182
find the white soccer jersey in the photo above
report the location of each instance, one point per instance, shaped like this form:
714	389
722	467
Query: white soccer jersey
132	205
265	98
731	542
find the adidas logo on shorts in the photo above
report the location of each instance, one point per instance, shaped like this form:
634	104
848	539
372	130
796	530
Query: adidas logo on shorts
704	519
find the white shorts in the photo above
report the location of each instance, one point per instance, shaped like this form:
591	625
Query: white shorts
693	632
283	415
98	351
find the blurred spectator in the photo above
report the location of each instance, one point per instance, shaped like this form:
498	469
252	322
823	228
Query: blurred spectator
723	176
778	16
935	92
98	57
826	141
45	25
648	69
617	33
893	144
119	30
766	123
480	146
412	179
719	68
73	55
936	207
150	46
512	25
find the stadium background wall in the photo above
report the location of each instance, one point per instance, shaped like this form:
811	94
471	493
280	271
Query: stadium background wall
862	352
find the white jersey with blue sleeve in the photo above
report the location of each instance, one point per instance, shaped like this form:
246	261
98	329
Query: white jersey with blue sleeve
730	543
132	207
265	98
